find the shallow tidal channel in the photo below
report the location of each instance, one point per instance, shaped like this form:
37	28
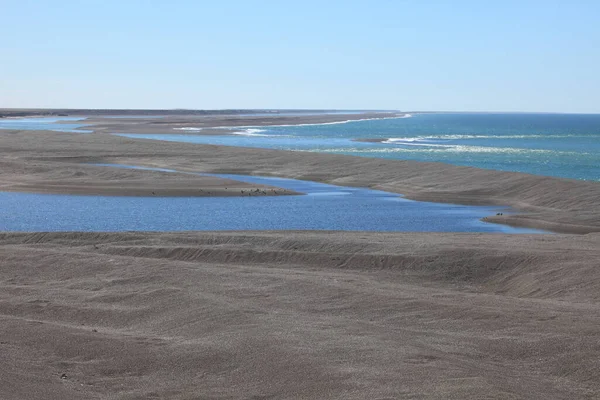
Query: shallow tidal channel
321	207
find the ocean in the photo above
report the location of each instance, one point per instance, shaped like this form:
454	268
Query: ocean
560	145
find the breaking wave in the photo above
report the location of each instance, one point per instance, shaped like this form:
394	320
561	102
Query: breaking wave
449	149
467	136
188	129
316	123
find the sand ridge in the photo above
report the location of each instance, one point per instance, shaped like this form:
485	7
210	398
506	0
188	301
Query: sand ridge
219	125
89	179
329	315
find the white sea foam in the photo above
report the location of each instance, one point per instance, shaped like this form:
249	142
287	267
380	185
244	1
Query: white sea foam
404	140
256	133
250	132
347	121
188	129
468	136
451	149
426	144
420	141
313	124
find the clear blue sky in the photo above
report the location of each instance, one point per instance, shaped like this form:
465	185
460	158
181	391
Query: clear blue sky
525	55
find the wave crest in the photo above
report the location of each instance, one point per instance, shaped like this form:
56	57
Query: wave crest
188	129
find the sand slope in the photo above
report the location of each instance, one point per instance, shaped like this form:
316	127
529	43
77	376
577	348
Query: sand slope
299	315
38	172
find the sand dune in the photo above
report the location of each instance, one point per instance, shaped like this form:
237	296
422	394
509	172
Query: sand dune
299	315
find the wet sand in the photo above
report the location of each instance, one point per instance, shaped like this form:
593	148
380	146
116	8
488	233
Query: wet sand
81	179
371	140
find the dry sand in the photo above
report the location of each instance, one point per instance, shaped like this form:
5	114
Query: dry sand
319	315
82	179
212	125
274	315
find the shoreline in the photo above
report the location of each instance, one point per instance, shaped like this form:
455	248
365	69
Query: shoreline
221	124
216	189
209	129
87	179
39	158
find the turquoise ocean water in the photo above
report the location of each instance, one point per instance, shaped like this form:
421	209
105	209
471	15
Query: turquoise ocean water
561	145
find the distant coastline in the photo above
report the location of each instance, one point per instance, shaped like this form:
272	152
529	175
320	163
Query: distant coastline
215	124
62	112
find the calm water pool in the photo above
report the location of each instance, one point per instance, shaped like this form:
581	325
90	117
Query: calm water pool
323	207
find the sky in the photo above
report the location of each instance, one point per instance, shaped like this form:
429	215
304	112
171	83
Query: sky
452	55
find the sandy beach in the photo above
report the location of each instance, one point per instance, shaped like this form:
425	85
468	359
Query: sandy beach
335	315
214	125
299	315
418	219
207	122
88	179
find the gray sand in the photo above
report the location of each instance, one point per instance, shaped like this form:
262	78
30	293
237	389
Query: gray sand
320	315
278	315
